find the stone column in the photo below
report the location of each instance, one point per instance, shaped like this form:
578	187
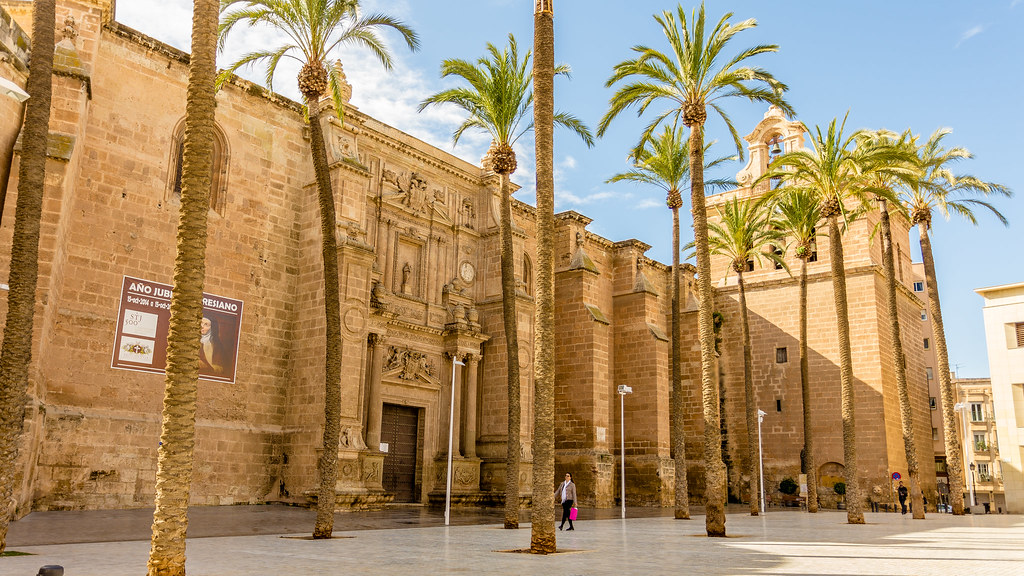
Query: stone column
469	424
373	393
456	409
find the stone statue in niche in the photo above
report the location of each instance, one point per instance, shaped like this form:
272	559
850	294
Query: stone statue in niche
406	274
467	213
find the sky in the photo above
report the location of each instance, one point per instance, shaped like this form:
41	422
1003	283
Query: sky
895	65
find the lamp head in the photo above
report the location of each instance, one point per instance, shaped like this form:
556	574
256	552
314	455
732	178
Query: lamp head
623	389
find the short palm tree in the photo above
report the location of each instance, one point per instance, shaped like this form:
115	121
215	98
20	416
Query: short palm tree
898	165
16	355
499	99
838	174
664	162
745	233
315	28
798	213
542	531
949	193
178	427
693	76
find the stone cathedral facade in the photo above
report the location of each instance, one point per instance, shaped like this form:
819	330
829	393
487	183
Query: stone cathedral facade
421	309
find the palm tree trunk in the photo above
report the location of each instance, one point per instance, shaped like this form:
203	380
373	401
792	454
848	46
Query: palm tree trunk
714	467
677	415
748	395
906	415
508	294
177	435
810	465
327	465
24	270
542	534
854	514
954	465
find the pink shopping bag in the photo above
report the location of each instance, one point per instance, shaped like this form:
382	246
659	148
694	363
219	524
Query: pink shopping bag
572	513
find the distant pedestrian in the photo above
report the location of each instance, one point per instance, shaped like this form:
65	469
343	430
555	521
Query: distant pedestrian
902	492
567	492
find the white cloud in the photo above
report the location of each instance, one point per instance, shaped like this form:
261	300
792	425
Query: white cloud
971	33
567	197
647	203
569	163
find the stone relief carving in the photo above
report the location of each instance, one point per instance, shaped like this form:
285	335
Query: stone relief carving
464	476
409	364
351	439
372	472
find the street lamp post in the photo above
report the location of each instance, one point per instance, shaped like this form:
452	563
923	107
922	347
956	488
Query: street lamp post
962	407
760	456
623	390
451	433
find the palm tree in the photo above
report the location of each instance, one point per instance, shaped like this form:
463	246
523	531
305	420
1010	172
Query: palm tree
899	166
178	429
315	28
744	234
940	189
691	78
498	100
797	215
16	355
664	162
542	532
838	174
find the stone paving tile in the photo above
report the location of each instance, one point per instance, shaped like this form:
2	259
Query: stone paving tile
794	544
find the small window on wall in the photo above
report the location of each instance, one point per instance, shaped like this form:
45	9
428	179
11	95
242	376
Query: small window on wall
749	267
781	355
927	344
931	402
924	314
218	166
928	373
918	286
778	405
935	431
1019	329
977	412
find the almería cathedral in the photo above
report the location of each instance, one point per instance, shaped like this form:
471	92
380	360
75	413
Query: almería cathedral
420	287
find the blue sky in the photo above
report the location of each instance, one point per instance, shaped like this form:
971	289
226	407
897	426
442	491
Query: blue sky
897	65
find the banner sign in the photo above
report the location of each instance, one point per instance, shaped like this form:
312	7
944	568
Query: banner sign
140	341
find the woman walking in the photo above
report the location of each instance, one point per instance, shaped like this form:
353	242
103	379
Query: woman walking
567	492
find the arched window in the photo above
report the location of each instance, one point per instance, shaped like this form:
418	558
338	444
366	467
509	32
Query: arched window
218	167
774	151
527	275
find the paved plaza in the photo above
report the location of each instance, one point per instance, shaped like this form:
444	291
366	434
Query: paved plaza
271	540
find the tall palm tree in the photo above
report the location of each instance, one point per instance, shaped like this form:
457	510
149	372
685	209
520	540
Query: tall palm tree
178	429
746	233
498	99
664	162
315	28
898	165
940	189
693	76
542	532
838	174
16	355
798	213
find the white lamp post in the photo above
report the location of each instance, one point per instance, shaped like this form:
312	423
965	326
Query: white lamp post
451	433
962	407
760	455
623	390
